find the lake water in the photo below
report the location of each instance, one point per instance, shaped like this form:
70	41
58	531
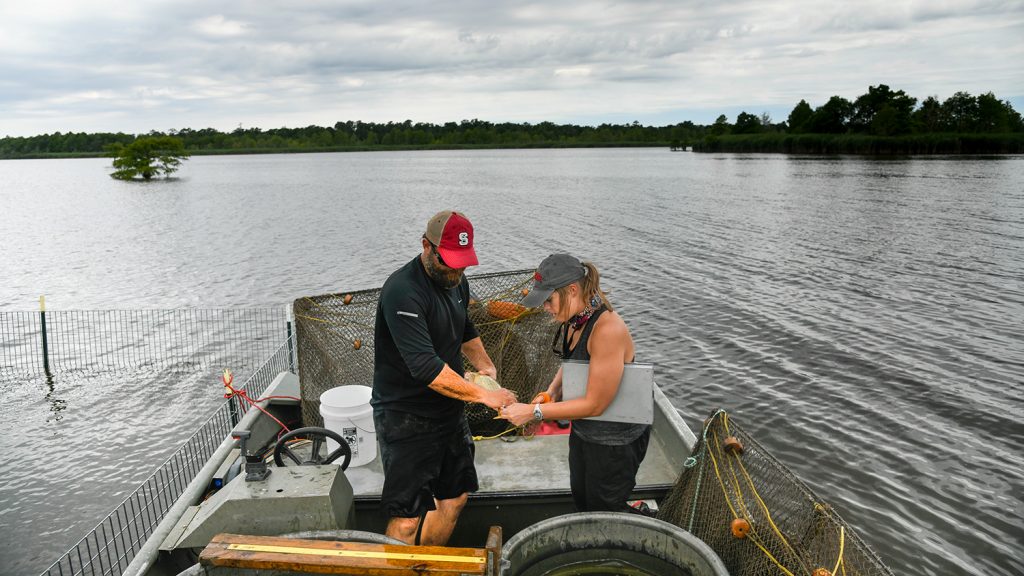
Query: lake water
863	318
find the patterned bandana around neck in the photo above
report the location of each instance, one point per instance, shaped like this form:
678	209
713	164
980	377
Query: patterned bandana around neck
580	320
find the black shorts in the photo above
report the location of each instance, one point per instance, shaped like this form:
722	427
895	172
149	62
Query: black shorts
423	459
602	477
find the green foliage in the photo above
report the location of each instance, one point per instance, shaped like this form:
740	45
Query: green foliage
928	118
831	117
747	123
357	135
960	112
885	112
800	118
720	127
939	143
882	111
993	116
147	157
67	144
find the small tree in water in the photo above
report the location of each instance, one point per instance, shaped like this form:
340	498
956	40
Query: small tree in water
147	157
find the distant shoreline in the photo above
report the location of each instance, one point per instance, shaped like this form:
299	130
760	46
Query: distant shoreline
368	148
858	144
881	122
773	143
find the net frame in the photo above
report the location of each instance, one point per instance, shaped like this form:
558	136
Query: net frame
334	335
730	479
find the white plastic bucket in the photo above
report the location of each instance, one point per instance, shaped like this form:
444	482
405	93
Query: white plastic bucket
347	411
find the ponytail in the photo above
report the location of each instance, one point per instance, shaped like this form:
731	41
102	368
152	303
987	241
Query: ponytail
590	285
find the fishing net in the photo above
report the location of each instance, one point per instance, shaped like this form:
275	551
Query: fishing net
335	343
758	516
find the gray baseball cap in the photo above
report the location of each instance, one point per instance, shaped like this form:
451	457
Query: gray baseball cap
554	272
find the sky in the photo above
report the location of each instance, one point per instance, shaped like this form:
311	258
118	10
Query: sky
142	65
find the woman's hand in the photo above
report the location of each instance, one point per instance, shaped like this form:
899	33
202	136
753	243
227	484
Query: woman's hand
517	414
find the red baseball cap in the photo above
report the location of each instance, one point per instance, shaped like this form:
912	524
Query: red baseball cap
452	233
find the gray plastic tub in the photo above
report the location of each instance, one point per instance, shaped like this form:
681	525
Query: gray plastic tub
608	542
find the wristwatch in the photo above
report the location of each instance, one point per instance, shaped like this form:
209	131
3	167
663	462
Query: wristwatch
537	414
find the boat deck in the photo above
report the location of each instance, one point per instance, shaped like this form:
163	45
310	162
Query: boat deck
528	465
522	482
534	464
526	481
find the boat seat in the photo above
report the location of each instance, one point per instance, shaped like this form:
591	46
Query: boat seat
236	551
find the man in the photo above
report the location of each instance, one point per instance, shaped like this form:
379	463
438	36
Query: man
419	393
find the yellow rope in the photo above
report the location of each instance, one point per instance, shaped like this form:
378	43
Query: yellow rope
739	496
515	288
735	482
525	313
304	317
771	522
842	544
764	507
725	491
315	303
329	312
479	438
508	334
769	555
741	503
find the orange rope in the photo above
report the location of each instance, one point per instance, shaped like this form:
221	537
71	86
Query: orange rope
230	391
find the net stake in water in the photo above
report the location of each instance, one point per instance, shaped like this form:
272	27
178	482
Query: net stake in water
42	324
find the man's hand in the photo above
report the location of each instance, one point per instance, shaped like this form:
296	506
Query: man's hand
477	355
497	399
494	396
491	394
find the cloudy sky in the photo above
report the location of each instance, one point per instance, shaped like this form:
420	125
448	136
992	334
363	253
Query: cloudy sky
140	65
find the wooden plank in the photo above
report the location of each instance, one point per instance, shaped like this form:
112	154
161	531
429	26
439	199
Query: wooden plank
493	548
329	557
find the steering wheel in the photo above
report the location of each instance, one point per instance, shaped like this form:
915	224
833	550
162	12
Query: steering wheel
318	436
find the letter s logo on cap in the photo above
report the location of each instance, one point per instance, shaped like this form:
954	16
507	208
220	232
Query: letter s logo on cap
463	238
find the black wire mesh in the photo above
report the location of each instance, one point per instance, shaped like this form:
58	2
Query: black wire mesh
758	516
110	547
104	340
335	342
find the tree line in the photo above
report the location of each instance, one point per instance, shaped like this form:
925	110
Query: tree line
882	120
358	135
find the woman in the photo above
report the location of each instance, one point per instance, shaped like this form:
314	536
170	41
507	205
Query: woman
603	456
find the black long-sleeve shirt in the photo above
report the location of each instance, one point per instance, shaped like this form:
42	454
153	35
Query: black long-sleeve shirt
419	328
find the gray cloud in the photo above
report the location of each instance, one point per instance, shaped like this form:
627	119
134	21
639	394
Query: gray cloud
98	65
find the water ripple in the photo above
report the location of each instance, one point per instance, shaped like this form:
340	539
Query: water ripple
862	318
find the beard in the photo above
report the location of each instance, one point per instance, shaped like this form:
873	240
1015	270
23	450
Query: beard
446	278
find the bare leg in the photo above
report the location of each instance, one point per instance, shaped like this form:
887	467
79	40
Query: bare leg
403	529
439	523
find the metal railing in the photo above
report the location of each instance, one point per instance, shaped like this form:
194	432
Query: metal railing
54	342
110	547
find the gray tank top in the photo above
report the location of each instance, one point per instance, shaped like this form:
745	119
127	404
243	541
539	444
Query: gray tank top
597	431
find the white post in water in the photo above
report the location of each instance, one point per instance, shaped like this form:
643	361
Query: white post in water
288	317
